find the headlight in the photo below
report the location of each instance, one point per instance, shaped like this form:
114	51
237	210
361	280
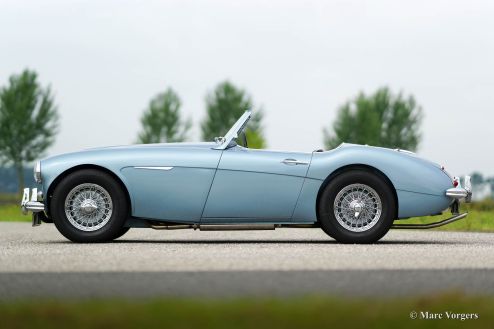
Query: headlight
37	172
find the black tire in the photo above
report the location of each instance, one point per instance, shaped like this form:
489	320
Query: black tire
122	232
113	228
382	223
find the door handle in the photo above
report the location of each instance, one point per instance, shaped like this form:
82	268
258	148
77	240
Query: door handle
294	162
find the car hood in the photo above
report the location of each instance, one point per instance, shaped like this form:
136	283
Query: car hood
130	148
157	145
147	146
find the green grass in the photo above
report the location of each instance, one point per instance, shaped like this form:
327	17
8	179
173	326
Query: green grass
9	198
12	213
300	312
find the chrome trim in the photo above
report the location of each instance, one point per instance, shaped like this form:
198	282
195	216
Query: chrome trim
31	204
456	192
153	168
25	196
172	227
216	227
37	172
294	162
404	151
357	207
219	140
40	195
35	206
234	131
236	227
460	192
430	225
88	207
468	187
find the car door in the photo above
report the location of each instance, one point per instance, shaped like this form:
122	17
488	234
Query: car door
171	183
255	185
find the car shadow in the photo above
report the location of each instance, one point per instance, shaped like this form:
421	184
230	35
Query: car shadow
252	241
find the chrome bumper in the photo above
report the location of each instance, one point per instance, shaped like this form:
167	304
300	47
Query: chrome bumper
456	193
460	192
32	204
431	225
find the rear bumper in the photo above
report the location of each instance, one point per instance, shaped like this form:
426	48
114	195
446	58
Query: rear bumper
459	192
31	201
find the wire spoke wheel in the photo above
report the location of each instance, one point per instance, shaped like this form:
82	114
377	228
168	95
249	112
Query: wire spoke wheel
88	207
357	207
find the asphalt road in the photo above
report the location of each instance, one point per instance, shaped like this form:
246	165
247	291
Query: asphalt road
39	262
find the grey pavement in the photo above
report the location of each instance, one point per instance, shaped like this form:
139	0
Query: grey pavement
39	262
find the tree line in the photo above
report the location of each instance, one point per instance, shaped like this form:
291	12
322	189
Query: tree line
29	119
162	121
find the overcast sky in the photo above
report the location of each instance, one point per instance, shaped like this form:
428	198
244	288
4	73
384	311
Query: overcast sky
300	60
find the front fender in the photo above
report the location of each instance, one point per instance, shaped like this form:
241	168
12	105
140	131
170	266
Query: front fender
55	168
193	164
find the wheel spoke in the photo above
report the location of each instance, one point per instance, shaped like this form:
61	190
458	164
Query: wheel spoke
88	207
357	207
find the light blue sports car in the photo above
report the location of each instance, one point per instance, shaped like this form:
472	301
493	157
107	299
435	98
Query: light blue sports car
354	193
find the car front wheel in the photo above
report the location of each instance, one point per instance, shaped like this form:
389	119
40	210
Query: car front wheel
89	206
357	206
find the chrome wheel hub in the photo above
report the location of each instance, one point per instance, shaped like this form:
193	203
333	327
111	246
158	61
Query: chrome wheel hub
357	207
88	207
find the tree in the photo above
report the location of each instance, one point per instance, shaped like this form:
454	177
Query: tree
224	106
477	178
28	121
381	119
161	121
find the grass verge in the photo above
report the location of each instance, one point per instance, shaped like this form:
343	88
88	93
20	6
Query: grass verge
9	198
301	312
12	213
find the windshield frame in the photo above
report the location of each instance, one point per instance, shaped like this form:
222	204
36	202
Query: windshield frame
234	131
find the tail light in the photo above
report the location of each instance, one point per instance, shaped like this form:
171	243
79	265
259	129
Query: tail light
456	181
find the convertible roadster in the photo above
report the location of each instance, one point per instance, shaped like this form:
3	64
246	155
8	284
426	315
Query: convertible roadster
355	193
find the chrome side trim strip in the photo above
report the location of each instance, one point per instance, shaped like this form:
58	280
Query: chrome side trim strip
153	168
236	227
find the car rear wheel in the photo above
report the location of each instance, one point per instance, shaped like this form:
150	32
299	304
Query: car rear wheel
122	232
357	206
89	206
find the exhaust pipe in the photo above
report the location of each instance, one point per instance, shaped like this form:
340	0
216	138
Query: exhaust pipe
430	225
